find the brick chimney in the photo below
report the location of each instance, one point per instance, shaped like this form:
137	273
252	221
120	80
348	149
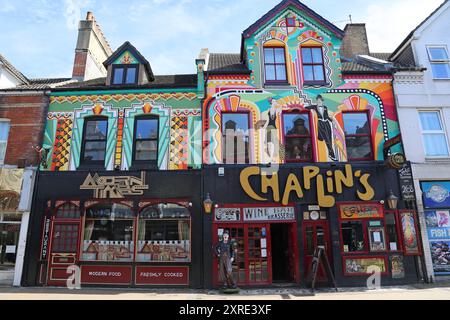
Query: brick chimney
355	40
91	51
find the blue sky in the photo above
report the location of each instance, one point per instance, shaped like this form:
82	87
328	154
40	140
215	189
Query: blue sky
39	36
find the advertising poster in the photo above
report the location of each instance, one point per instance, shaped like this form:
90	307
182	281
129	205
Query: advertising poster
440	256
411	244
397	267
436	194
358	266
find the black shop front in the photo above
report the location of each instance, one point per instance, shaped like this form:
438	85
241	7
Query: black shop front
126	229
279	216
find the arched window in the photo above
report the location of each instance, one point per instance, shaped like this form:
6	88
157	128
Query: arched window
275	64
68	210
95	133
108	233
164	233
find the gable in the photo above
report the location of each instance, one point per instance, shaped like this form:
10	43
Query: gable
300	11
126	58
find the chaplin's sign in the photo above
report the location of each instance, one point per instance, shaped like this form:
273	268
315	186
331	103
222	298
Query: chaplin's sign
327	185
111	187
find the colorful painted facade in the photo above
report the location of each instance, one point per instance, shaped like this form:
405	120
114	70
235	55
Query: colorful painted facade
178	111
252	94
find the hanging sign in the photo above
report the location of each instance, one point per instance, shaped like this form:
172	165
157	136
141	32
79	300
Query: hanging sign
361	211
227	214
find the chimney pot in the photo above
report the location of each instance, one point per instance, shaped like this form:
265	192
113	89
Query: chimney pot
89	16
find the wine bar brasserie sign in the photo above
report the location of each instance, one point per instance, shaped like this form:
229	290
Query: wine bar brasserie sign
269	214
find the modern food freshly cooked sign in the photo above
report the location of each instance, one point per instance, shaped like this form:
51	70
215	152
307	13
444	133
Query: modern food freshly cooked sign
327	185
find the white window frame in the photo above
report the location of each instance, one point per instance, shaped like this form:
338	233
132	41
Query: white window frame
435	132
2	161
438	61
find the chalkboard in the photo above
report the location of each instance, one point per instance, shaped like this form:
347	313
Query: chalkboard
407	183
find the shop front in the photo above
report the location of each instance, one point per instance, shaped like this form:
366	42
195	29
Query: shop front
132	229
277	220
436	202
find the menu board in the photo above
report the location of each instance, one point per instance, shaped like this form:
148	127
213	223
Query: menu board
407	183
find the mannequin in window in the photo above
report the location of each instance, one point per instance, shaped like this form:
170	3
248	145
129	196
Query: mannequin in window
324	125
226	254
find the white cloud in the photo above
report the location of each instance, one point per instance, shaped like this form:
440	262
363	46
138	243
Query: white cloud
73	12
389	22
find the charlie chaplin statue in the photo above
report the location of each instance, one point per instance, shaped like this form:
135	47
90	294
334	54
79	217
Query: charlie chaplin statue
226	255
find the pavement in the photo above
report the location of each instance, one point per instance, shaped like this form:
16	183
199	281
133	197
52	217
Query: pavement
411	292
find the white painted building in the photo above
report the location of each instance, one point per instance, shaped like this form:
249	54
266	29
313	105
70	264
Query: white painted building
422	88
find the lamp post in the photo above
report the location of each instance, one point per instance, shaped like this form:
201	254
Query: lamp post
207	204
392	200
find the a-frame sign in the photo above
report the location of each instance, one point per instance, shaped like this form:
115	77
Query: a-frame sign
320	257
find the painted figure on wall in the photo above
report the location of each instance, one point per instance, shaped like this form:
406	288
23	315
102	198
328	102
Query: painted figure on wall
324	126
271	129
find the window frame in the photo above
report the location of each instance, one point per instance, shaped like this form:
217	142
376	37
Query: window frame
295	112
372	153
125	68
145	117
248	155
3	157
438	61
434	132
397	229
83	160
275	64
308	82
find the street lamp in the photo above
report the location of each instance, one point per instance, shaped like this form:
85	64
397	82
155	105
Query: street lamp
207	204
392	200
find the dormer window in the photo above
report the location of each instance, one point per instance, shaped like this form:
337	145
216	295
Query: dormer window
125	74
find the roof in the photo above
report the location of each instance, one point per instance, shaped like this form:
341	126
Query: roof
381	55
300	6
41	84
19	75
160	82
362	64
411	34
128	46
228	63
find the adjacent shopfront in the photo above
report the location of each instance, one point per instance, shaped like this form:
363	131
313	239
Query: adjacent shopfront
436	202
118	228
278	218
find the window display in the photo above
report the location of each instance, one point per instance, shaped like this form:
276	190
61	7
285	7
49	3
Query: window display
392	232
353	236
108	233
164	234
377	239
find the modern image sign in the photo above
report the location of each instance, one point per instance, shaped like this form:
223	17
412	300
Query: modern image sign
438	227
436	194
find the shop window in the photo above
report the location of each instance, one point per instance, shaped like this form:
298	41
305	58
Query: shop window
275	65
313	65
353	239
236	138
68	211
376	234
4	133
297	137
440	62
357	136
146	134
164	234
125	74
433	134
94	140
392	232
108	233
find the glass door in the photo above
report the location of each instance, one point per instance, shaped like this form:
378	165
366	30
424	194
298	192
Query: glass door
259	266
63	251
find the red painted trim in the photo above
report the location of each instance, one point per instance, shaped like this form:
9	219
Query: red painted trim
311	132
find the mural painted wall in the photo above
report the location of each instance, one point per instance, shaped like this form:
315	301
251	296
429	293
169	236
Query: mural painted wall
179	145
326	103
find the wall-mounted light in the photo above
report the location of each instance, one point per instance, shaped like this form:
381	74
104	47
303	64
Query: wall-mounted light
392	200
207	204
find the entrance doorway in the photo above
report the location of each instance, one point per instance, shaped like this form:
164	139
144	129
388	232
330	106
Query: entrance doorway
280	252
316	234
